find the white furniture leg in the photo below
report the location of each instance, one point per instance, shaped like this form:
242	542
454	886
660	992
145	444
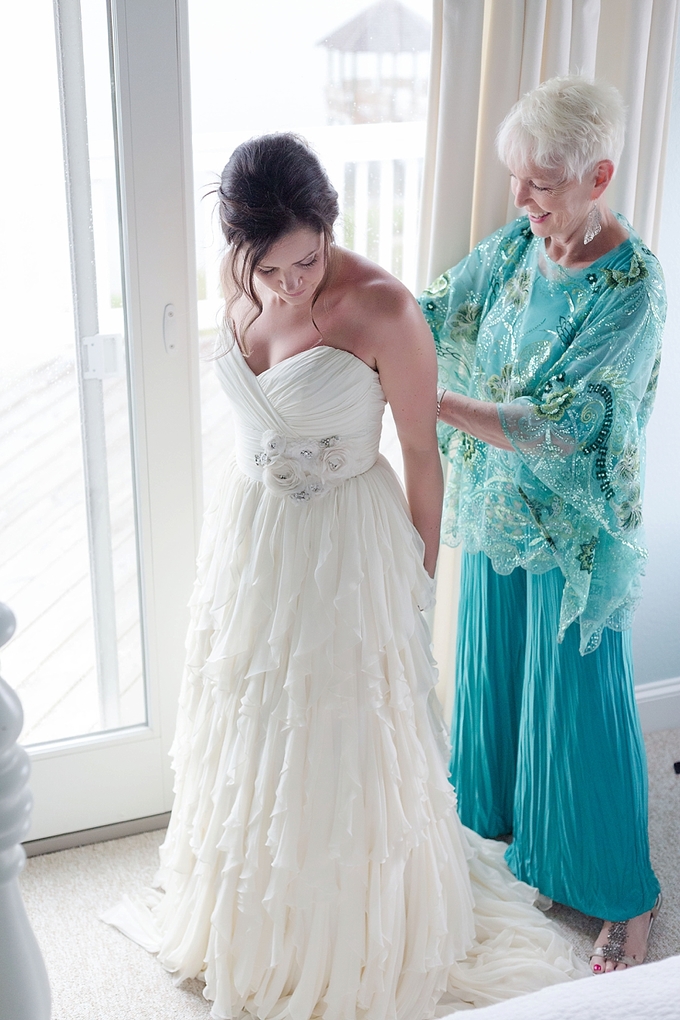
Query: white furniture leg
24	988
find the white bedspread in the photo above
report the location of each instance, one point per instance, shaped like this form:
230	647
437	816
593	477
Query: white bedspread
651	992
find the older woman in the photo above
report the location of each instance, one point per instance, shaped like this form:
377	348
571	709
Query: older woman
548	339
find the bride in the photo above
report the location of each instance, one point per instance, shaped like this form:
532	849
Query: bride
315	865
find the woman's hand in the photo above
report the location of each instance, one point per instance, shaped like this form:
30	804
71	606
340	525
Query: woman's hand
479	418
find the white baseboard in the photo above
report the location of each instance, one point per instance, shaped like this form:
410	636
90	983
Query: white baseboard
68	840
659	705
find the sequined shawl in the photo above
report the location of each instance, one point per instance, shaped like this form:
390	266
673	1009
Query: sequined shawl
572	359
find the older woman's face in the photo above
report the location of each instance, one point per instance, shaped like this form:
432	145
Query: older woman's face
556	207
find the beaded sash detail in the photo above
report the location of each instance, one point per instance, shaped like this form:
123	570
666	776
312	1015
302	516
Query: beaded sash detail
303	469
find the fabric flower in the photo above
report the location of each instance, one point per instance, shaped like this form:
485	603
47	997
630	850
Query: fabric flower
517	288
284	476
439	286
629	512
273	444
502	387
628	467
335	460
302	468
556	403
636	271
465	322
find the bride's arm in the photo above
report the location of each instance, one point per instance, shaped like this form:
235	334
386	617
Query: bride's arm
407	364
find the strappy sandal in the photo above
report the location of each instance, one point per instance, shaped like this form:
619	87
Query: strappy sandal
616	941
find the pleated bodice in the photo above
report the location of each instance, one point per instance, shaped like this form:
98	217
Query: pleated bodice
307	423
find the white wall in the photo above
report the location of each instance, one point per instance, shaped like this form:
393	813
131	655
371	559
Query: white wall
656	633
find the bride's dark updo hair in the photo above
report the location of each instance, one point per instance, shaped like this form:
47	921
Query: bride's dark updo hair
271	186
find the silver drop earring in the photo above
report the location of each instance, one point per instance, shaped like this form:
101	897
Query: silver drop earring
593	224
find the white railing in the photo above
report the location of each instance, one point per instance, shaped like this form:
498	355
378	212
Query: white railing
376	170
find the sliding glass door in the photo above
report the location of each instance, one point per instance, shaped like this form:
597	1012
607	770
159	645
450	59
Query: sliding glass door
98	399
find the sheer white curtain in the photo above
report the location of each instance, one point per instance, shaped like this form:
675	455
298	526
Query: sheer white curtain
485	55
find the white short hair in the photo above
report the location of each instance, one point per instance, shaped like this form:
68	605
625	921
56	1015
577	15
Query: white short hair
571	123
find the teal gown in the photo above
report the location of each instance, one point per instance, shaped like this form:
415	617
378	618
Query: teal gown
546	738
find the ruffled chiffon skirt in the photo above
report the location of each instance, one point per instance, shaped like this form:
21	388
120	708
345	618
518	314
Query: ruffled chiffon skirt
315	865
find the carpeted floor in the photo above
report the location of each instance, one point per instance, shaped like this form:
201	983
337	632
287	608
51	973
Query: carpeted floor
96	974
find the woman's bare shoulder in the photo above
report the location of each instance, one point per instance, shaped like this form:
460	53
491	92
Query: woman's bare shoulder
371	313
363	289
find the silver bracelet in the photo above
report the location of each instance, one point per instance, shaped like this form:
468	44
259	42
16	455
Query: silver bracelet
440	396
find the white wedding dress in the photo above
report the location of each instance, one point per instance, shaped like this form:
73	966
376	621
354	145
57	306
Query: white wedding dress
315	865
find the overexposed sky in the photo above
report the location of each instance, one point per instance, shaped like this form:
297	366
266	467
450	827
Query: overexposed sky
256	66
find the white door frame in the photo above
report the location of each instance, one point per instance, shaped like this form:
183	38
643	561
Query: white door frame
106	778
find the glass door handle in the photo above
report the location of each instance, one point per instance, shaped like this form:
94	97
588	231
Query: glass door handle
170	329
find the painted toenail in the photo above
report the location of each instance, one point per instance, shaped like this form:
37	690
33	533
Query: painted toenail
597	968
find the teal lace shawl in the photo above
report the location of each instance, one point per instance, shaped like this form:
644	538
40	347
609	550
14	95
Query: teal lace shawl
572	359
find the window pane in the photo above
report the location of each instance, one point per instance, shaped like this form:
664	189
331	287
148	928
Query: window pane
52	506
355	86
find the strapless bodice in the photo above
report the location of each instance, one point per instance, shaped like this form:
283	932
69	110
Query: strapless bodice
307	423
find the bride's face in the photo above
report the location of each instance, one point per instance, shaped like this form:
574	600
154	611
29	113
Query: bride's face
294	266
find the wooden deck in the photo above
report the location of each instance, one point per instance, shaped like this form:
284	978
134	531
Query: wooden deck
44	571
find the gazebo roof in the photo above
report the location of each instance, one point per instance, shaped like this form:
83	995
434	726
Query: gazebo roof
386	27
